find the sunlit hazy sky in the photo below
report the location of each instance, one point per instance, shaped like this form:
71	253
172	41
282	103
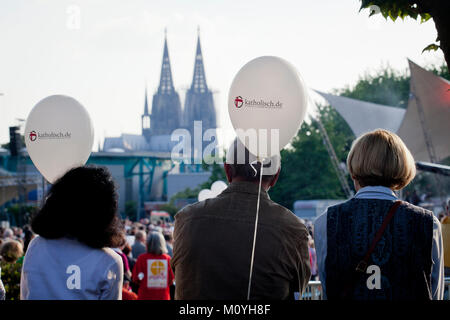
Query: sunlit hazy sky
106	63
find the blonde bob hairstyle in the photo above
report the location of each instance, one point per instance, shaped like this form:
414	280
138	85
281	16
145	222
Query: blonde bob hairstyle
380	158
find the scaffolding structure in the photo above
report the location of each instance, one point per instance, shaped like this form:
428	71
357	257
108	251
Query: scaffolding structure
342	175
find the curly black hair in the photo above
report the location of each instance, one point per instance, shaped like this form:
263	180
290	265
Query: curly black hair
81	204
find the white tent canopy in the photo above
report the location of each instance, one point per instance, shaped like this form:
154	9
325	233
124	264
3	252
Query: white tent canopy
426	126
364	116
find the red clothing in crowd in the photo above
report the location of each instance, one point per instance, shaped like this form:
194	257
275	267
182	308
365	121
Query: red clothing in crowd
128	295
154	276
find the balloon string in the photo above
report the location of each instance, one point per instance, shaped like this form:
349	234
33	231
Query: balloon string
253	167
256	227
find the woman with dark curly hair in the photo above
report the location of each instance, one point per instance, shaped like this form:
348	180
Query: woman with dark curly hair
77	225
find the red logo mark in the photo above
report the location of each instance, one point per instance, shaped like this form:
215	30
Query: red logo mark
238	102
33	136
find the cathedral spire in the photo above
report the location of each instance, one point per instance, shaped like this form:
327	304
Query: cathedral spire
145	102
145	118
199	79
166	106
165	82
199	101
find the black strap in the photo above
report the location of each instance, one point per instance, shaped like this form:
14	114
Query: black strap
361	267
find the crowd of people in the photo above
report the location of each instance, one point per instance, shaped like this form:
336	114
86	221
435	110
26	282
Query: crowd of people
137	234
145	241
14	242
76	249
13	245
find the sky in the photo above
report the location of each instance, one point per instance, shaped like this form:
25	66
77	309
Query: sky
104	52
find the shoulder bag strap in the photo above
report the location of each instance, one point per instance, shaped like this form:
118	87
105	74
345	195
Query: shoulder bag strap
363	264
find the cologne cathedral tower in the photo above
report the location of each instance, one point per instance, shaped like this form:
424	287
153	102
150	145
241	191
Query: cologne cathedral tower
166	114
199	103
166	108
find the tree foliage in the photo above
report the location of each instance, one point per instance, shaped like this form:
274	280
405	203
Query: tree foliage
397	9
19	214
438	10
131	210
307	172
387	86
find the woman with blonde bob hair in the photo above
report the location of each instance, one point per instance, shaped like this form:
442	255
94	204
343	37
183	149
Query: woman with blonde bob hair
380	158
375	246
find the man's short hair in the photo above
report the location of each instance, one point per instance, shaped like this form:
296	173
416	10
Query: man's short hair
140	235
243	163
8	233
380	158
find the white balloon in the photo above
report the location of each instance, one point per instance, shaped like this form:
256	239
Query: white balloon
217	187
266	94
205	194
59	136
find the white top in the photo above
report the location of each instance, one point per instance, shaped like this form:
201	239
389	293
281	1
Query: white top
66	269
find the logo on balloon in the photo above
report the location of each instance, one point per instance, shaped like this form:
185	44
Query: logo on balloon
238	102
49	135
257	103
33	136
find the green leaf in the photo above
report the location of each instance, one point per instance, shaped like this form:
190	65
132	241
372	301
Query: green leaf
365	4
393	15
413	14
431	47
424	17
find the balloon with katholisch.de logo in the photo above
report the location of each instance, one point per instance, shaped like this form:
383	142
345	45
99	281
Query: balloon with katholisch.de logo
58	135
269	98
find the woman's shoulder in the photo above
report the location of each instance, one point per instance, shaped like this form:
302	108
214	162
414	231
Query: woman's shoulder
166	256
356	203
416	209
150	256
145	256
343	205
111	256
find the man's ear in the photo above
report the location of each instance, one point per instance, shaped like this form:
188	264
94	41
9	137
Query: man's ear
227	168
275	179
